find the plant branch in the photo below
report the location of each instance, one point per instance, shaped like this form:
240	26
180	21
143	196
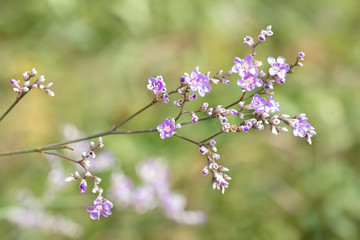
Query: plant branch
188	139
18	98
62	145
134	115
216	134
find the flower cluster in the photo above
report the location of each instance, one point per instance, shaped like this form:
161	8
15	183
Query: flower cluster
259	104
248	72
252	111
101	205
20	89
219	179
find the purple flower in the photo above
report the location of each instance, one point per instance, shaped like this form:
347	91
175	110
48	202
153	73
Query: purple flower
272	106
249	41
301	55
100	207
164	98
205	171
278	67
301	127
250	81
258	103
242	66
198	82
262	38
166	129
83	186
157	85
203	150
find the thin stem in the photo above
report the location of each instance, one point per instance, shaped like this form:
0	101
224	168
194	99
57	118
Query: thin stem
234	103
182	105
32	150
188	139
134	115
259	91
200	119
207	139
59	155
18	98
253	51
99	135
61	144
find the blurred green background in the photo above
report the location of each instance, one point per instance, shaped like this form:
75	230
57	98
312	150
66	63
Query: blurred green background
99	54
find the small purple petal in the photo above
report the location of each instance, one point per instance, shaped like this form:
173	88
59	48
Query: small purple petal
95	215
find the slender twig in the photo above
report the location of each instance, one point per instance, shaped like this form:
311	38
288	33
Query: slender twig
17	100
134	115
62	156
234	103
207	139
182	105
188	139
32	150
61	144
253	51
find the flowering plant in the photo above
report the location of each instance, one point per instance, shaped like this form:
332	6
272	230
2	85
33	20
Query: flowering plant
250	110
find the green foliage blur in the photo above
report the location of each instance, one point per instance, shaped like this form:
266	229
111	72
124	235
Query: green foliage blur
99	54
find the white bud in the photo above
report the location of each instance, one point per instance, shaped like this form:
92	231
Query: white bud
33	72
95	189
69	179
97	179
101	143
92	145
87	163
282	129
88	174
25	89
224	169
25	76
77	174
274	130
308	138
222	189
41	79
49	85
49	92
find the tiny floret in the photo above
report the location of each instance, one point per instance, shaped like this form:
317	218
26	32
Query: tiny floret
278	67
102	207
166	129
198	82
157	85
